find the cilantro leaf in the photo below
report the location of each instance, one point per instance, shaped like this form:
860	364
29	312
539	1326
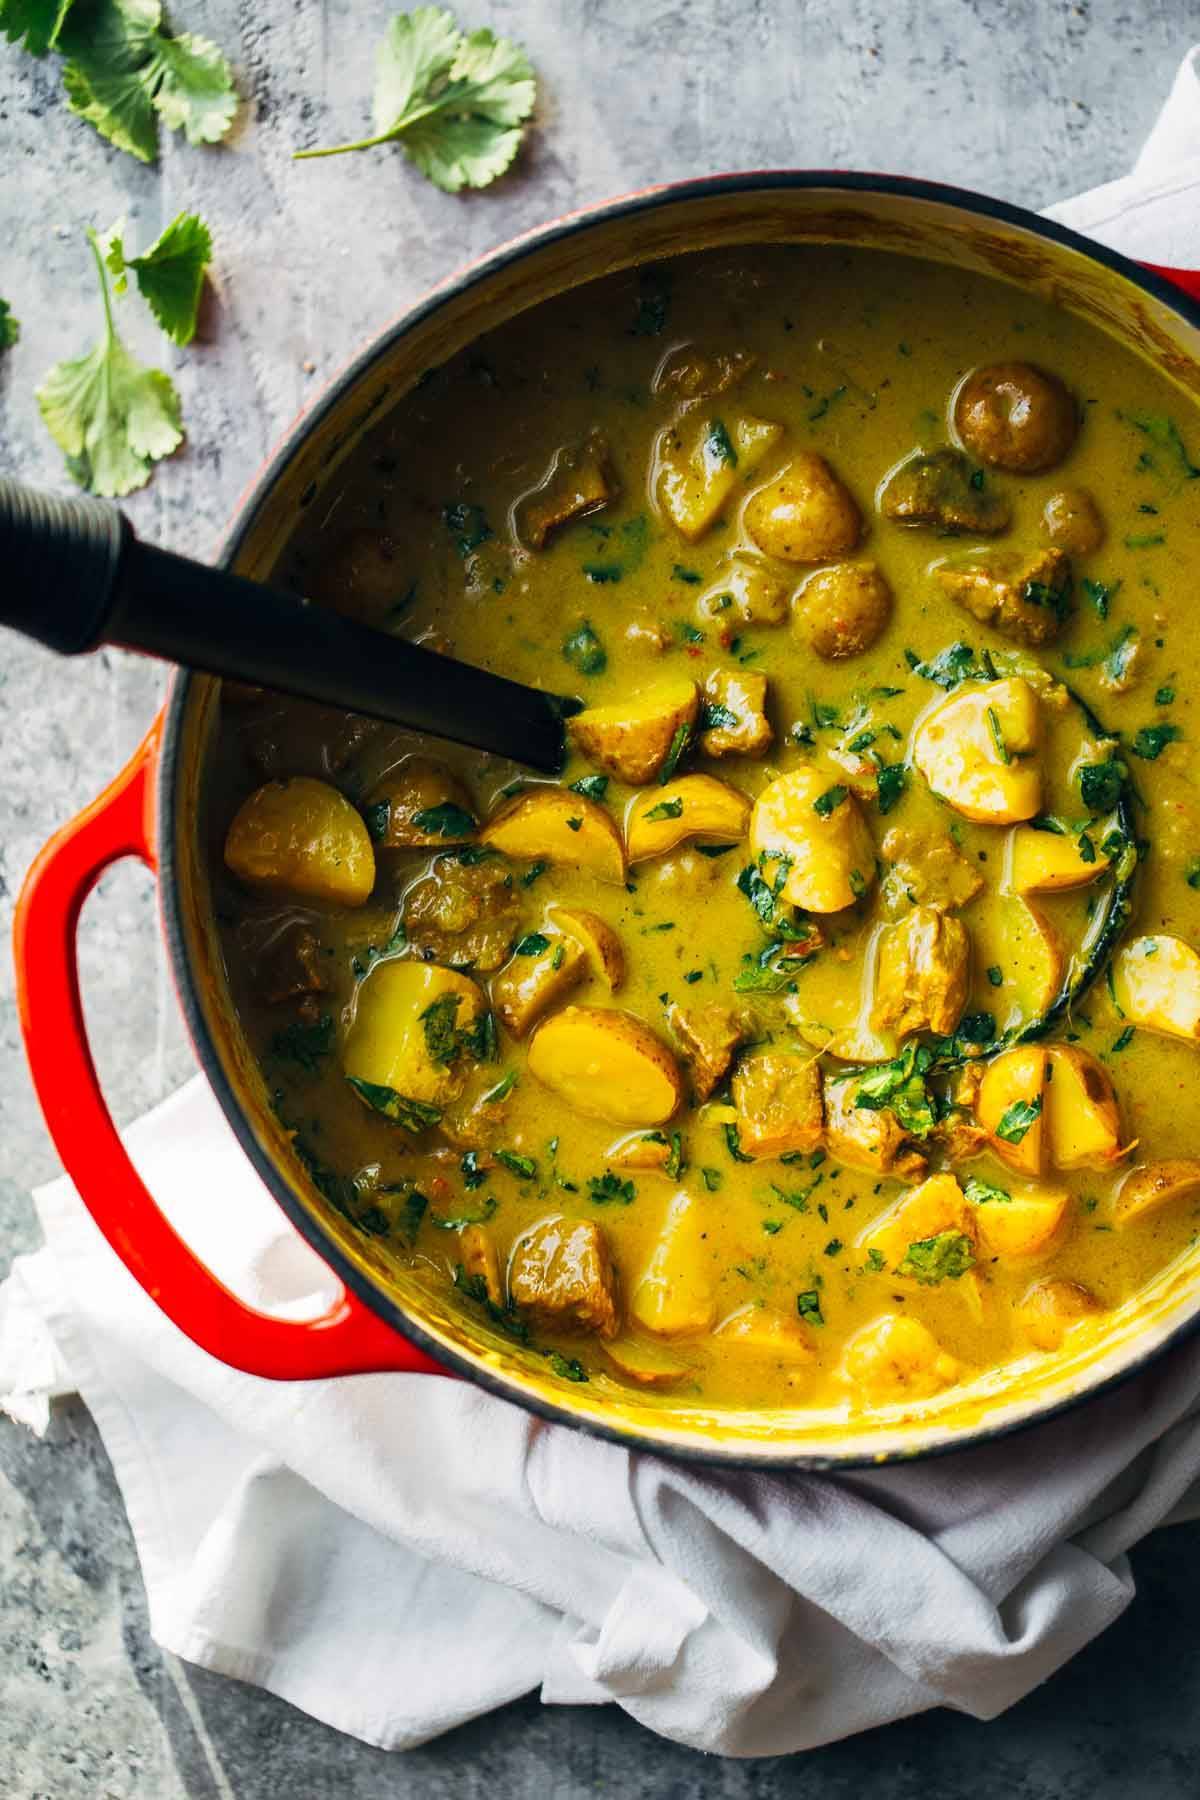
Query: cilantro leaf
1017	1119
124	74
899	1087
169	275
35	22
947	1256
10	328
110	415
1101	784
1152	740
455	102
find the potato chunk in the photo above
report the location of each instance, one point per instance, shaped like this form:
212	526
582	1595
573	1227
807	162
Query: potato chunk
747	592
708	1037
923	973
1047	1312
1025	960
860	1138
543	970
411	1033
760	1331
1072	520
1042	862
840	612
301	837
1155	1184
779	1103
805	515
600	944
632	738
700	460
607	1064
1013	415
1010	1105
646	1365
1026	1223
928	869
1082	1116
1024	598
579	481
690	808
1156	980
830	856
734	720
420	804
897	1358
961	748
928	1236
555	825
561	1275
941	490
673	1296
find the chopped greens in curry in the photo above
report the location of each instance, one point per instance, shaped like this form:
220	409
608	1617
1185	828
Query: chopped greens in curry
825	1035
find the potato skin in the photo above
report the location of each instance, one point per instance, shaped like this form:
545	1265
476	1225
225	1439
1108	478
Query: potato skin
1015	416
302	837
632	739
840	612
607	1064
806	515
1072	520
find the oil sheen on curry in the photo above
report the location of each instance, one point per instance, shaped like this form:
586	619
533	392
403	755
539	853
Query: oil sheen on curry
826	1035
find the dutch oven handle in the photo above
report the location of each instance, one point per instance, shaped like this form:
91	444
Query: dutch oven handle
1187	279
349	1339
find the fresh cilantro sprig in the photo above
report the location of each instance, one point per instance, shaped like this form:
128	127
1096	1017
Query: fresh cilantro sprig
169	275
10	327
125	74
456	102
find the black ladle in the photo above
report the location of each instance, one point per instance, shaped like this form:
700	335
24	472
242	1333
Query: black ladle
74	576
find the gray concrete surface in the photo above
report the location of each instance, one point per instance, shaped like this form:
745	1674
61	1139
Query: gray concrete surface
1024	98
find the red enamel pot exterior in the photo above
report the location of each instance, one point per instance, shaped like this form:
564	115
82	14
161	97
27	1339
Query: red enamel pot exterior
146	811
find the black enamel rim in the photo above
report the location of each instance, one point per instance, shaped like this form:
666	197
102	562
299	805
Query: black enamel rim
384	1305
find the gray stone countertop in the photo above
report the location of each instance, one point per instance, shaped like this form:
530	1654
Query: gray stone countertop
1028	99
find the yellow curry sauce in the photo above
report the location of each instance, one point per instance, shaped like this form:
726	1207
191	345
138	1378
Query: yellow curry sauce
702	1069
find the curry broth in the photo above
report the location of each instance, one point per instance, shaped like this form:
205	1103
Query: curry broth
857	356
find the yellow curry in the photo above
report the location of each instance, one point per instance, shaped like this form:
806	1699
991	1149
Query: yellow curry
826	1032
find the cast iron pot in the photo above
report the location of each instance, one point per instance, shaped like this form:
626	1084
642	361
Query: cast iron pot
153	808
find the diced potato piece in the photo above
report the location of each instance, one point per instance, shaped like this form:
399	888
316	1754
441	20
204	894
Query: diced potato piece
701	459
632	738
1041	862
607	1064
528	986
406	1035
961	745
477	1248
929	1211
897	1358
579	481
860	1138
1026	1224
1156	1184
1083	1120
831	857
1156	980
927	869
747	592
645	1152
420	805
1019	942
690	808
561	1274
601	945
805	515
708	1037
841	611
301	837
696	374
923	971
734	721
1049	1310
1010	1105
779	1103
647	1365
761	1332
555	825
673	1296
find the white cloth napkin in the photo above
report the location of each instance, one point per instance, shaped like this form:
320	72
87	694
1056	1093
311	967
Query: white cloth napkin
396	1554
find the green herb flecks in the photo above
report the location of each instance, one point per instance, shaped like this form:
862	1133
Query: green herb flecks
584	651
946	1257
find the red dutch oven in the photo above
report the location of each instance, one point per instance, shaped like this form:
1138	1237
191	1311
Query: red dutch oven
153	808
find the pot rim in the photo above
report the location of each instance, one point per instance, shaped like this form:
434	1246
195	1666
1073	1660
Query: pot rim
258	495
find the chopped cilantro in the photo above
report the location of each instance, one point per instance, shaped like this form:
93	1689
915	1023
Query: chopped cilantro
946	1257
1101	784
890	784
808	1305
592	787
609	1189
523	1167
1017	1119
718	450
445	820
569	1367
414	1115
981	1193
532	944
679	743
827	802
1152	740
665	809
584	651
305	1045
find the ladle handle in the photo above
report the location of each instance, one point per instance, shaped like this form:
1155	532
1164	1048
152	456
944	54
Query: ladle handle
73	575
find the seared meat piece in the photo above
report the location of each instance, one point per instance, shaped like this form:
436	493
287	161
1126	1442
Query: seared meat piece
579	481
291	966
928	870
562	1275
940	488
1026	598
924	967
464	914
778	1101
862	1139
708	1037
733	719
